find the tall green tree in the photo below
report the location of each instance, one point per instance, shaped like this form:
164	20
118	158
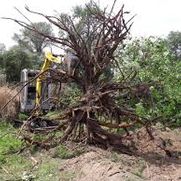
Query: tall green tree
86	22
31	40
14	61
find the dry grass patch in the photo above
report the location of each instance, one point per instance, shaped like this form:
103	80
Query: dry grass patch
12	109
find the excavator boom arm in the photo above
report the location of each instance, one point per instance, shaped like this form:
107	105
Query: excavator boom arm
49	59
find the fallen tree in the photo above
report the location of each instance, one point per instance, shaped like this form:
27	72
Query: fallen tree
96	117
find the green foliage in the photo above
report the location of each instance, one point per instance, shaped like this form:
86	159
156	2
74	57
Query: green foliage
71	95
155	66
23	116
140	110
13	62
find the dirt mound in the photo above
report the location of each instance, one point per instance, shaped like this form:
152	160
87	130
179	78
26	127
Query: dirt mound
12	109
166	142
152	163
97	166
162	155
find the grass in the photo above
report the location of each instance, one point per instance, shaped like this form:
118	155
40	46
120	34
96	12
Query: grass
65	153
23	116
48	170
9	143
115	157
19	167
12	165
141	167
52	114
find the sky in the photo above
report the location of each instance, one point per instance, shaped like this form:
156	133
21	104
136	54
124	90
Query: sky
153	17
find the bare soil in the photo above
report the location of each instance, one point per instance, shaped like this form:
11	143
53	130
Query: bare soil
152	163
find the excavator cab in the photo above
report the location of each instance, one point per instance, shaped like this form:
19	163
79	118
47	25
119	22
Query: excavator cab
36	90
28	93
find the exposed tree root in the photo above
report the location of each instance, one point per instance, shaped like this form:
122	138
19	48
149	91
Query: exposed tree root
96	116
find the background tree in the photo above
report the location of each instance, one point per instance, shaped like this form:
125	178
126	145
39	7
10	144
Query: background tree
174	43
2	48
86	22
14	60
33	41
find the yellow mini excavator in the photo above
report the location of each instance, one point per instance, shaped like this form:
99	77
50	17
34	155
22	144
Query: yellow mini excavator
36	90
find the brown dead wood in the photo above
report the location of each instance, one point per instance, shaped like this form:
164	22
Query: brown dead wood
96	53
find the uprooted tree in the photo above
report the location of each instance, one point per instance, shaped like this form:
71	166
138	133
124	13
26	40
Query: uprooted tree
93	39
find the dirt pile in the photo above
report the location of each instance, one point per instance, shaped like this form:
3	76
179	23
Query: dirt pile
97	166
152	163
12	109
159	165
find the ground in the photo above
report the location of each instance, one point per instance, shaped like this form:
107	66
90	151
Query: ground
78	162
